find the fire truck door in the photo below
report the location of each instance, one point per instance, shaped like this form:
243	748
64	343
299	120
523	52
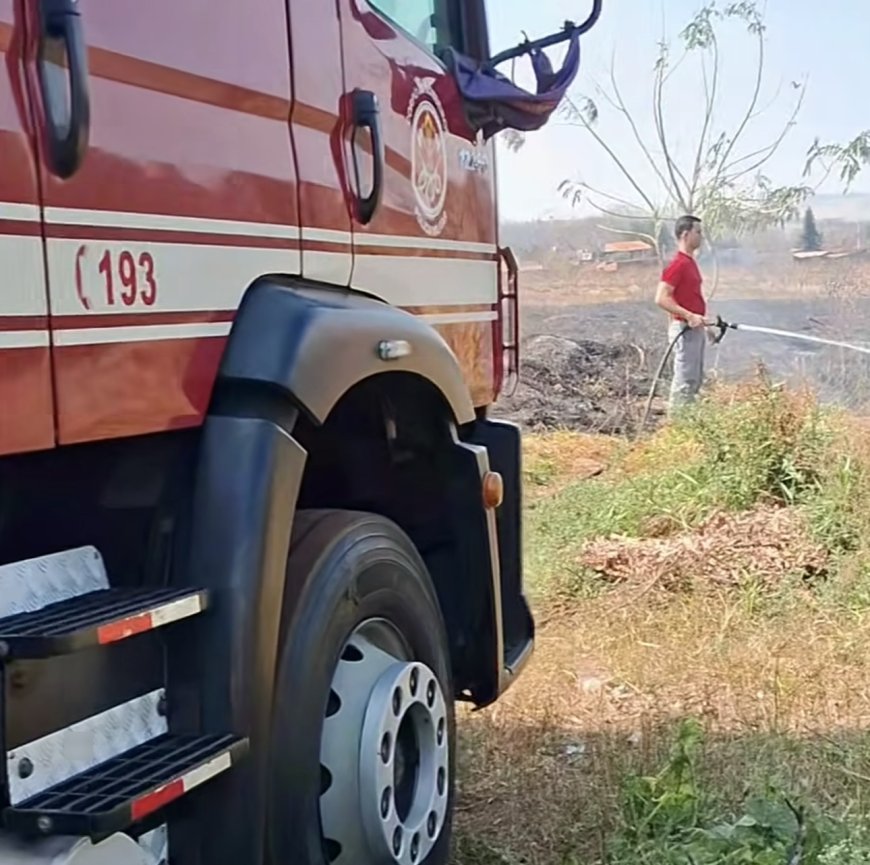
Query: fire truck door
169	187
318	120
424	229
26	406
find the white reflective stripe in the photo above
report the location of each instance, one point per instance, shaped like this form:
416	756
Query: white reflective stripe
404	241
23	274
156	332
410	242
326	235
81	746
193	277
330	267
172	612
405	281
166	222
208	770
21	212
188	276
140	333
458	317
24	339
170	222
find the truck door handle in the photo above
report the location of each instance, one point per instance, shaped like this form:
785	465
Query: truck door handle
67	109
366	115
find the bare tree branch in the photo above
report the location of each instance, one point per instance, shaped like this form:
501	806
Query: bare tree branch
710	102
768	152
658	113
616	160
614	198
604	211
759	77
619	104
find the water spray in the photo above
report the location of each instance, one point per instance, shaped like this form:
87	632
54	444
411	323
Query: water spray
722	327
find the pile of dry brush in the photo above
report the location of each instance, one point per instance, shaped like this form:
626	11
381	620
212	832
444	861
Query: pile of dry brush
770	544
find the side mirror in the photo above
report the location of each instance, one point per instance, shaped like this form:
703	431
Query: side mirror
570	30
492	102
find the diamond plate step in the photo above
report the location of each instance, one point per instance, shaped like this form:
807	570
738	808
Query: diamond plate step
114	795
93	619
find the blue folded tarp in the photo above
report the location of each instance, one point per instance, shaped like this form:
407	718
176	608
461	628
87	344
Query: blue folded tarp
493	102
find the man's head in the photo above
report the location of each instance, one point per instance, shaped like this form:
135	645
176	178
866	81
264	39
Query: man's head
688	232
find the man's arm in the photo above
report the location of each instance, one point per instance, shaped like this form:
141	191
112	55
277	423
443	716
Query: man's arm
665	299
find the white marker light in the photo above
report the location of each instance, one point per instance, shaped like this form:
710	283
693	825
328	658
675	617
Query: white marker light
393	349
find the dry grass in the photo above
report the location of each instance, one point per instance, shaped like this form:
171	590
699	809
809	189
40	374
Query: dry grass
779	678
555	459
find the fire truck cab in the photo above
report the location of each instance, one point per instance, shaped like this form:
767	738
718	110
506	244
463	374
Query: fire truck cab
258	530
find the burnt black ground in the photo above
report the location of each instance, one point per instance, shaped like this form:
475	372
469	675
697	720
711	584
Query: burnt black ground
589	367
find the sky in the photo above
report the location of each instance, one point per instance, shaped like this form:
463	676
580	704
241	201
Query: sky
825	43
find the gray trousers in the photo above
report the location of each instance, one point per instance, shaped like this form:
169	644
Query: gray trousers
688	364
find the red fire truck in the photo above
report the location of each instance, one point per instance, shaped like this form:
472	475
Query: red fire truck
257	526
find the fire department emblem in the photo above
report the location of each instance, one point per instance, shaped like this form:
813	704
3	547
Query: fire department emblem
428	157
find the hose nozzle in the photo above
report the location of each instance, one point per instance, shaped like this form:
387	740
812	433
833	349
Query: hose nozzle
721	325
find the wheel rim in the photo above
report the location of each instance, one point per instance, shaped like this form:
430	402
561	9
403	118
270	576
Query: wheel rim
384	754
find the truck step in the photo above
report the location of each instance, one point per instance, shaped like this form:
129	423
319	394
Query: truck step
95	619
124	790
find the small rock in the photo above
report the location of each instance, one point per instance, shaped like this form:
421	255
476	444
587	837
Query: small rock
591	684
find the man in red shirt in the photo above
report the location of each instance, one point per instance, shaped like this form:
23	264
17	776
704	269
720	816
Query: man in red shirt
680	295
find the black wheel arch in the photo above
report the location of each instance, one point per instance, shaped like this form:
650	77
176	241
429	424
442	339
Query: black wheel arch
314	347
289	331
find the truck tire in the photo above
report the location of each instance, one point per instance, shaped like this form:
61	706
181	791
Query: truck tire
362	748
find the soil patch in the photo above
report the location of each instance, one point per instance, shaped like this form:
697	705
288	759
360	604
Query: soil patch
579	384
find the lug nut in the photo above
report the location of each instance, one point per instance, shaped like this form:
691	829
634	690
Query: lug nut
25	767
386	742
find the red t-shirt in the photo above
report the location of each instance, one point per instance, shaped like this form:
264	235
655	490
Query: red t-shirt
685	277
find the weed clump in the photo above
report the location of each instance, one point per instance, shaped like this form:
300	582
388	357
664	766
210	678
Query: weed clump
672	818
